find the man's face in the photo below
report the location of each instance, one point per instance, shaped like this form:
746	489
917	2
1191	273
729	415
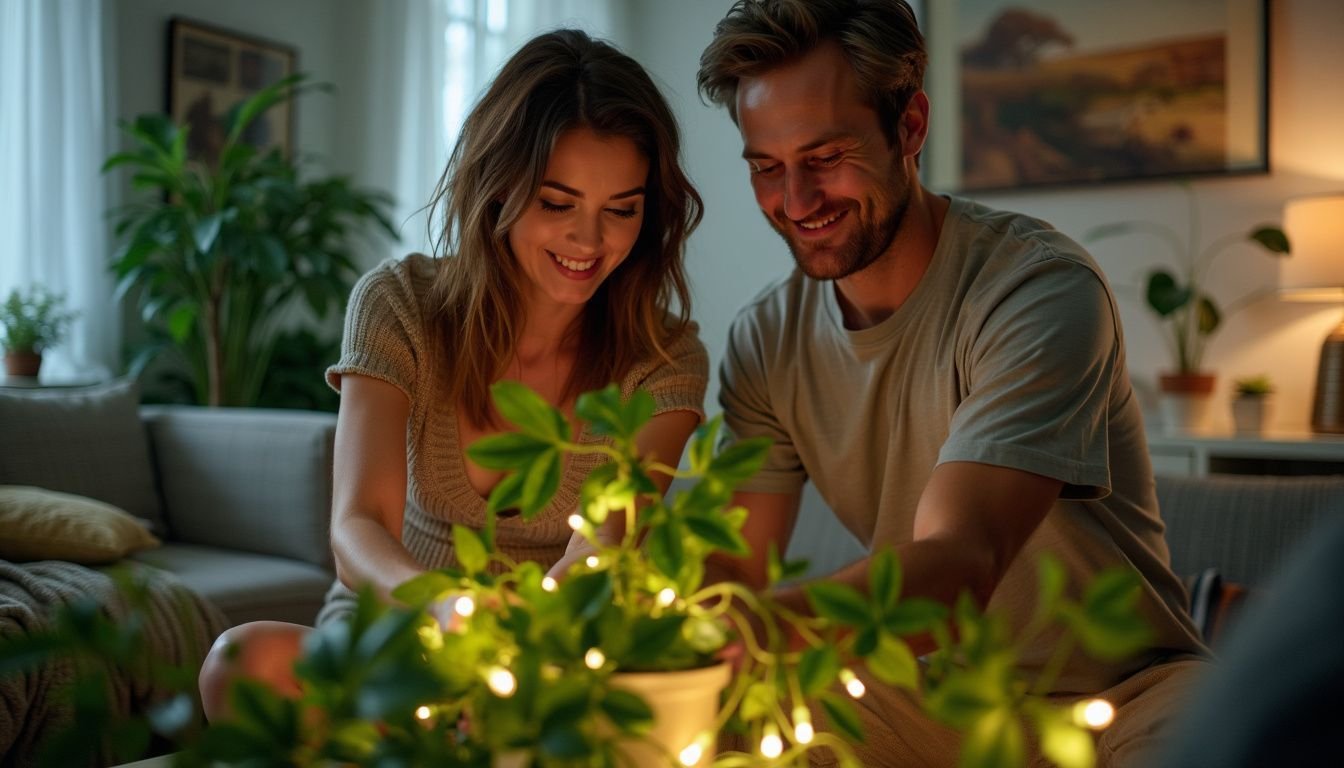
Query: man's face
823	173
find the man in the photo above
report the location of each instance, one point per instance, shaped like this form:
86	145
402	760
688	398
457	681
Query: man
951	378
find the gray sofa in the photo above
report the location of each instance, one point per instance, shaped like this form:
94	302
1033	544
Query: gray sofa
240	498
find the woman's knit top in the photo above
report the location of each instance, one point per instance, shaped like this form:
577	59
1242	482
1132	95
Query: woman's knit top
386	338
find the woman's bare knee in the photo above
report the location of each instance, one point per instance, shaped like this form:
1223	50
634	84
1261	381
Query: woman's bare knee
263	651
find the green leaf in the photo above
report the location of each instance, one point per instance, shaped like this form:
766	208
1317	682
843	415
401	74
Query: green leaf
529	412
818	668
587	593
758	701
666	548
425	588
206	231
1209	318
541	483
507	451
1165	295
703	442
649	637
508	494
1065	743
1272	238
894	663
470	550
1050	579
181	322
995	740
602	410
840	712
718	534
915	615
628	711
739	461
884	579
838	602
563	741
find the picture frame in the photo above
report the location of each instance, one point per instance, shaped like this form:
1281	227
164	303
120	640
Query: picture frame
1038	93
210	69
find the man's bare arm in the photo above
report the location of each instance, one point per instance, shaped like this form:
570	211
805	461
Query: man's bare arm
972	521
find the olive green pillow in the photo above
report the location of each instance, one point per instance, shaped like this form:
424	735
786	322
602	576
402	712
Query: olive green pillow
38	524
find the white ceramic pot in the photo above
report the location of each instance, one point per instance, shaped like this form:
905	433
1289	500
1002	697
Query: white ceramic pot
1250	413
685	705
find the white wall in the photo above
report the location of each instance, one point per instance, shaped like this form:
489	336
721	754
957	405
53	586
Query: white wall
308	25
735	252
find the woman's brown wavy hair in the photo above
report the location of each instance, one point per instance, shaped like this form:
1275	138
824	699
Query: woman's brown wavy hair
556	82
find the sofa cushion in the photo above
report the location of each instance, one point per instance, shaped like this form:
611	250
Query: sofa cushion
88	441
244	585
46	525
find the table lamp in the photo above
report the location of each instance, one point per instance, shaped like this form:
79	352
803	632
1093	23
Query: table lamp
1315	272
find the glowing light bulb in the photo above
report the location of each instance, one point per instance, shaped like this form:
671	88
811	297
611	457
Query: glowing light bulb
464	606
771	745
1093	713
501	681
852	683
691	754
802	725
549	584
422	712
592	561
666	597
576	521
594	658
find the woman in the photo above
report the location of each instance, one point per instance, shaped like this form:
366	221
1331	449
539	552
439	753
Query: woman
567	214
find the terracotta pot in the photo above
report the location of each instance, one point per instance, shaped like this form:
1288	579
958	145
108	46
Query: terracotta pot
1187	383
23	364
1185	401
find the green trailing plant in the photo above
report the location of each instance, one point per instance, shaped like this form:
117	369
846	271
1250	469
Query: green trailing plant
494	663
1254	386
33	320
219	255
1189	313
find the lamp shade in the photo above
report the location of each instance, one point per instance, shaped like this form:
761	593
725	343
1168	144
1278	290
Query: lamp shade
1315	269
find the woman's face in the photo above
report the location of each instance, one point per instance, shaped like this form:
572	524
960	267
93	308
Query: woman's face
582	223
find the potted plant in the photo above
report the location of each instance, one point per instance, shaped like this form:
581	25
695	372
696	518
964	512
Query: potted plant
219	255
1188	313
31	322
1251	403
494	664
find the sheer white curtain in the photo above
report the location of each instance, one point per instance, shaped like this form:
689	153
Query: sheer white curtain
428	61
55	131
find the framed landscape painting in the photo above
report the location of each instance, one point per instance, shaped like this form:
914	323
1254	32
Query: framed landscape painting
1047	92
212	69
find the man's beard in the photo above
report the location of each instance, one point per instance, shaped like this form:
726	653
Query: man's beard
873	238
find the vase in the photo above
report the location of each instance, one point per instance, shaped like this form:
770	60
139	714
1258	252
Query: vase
23	364
1250	413
1184	402
685	705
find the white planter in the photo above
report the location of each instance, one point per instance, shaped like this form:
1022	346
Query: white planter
1250	413
685	705
1184	413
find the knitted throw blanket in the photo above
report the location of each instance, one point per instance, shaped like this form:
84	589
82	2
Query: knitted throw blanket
179	627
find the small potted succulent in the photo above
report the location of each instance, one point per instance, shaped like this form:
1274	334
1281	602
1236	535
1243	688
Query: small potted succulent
1251	404
30	322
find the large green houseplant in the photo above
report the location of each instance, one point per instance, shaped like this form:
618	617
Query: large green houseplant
1188	313
494	664
218	255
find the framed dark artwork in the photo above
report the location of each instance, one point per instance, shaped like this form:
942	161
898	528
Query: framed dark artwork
212	69
1047	92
